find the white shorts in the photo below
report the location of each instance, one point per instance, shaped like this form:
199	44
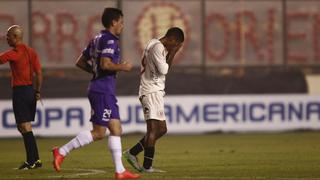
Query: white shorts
153	105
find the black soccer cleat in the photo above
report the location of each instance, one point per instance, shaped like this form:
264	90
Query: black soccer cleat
35	165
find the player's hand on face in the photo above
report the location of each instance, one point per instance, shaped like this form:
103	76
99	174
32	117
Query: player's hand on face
127	66
176	48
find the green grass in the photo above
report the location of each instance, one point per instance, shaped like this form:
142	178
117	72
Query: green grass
283	156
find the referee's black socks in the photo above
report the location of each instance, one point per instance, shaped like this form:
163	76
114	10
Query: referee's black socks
31	147
148	157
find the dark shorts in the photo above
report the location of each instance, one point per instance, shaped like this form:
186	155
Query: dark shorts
103	108
24	103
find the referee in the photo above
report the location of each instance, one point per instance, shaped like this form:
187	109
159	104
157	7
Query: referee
25	65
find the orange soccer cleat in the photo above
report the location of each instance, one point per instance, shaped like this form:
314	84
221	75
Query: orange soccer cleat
126	175
57	159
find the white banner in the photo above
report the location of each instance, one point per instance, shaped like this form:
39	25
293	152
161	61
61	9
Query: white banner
185	114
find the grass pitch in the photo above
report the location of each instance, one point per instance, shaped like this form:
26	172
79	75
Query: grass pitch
279	156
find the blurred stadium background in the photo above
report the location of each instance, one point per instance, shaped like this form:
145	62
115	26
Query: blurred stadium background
232	47
246	66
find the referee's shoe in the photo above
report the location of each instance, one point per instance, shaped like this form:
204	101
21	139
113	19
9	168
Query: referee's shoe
35	165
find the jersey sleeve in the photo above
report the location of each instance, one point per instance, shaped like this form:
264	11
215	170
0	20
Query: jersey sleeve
7	56
36	62
108	49
159	58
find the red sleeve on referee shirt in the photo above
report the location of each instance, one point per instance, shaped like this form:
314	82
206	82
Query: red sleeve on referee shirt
6	56
35	62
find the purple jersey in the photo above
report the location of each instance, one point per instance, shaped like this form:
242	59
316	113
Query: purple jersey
103	45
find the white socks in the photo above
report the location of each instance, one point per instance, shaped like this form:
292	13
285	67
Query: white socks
114	145
82	139
85	137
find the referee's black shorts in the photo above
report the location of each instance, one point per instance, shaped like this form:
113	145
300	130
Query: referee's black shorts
24	103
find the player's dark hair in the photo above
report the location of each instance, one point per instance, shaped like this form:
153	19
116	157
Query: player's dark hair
109	15
176	33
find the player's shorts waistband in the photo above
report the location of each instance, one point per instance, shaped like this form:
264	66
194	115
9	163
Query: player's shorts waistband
22	87
144	94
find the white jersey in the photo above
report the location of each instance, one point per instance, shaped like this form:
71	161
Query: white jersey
154	68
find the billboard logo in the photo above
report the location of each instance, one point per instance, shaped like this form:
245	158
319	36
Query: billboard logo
155	19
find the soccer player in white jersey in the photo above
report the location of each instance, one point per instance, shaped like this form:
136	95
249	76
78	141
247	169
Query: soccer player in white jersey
156	61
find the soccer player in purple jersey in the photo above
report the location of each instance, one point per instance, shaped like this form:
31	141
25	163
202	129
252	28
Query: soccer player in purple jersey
102	58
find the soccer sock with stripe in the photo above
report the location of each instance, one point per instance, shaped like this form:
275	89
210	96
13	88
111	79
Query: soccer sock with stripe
148	157
30	145
82	139
136	149
114	145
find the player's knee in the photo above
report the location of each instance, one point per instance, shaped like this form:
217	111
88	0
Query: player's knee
19	129
115	128
24	127
98	135
163	131
152	135
115	131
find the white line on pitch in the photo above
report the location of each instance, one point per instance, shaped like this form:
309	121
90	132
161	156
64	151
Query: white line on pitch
86	172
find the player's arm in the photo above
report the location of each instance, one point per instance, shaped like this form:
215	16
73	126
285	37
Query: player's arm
172	53
82	64
38	83
4	57
159	59
38	78
108	54
107	64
